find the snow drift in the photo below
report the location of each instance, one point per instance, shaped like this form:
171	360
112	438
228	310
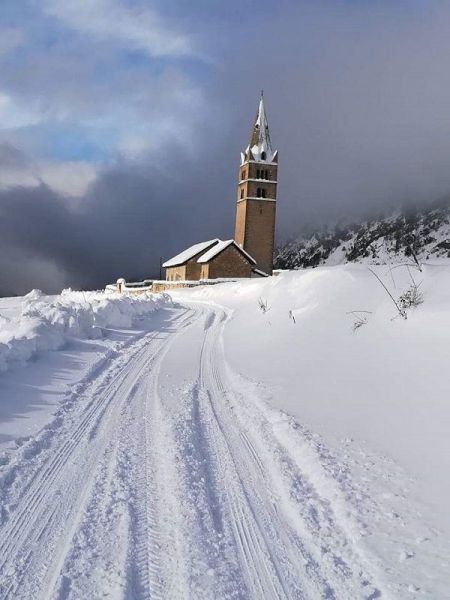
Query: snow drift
42	323
376	394
385	383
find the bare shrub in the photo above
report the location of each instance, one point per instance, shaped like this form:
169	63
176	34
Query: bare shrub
263	305
361	318
401	311
412	298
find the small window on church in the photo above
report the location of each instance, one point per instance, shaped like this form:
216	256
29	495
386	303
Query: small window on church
242	192
263	193
266	174
258	174
263	156
258	193
243	174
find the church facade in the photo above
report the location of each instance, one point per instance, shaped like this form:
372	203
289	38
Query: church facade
250	253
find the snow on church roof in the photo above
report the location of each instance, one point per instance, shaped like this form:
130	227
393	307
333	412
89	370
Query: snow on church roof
217	249
189	253
207	250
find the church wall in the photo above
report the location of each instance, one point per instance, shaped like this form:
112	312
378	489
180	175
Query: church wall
248	188
193	269
229	263
239	234
260	232
252	188
176	273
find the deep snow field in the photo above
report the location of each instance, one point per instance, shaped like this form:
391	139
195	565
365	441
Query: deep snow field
386	384
363	413
380	395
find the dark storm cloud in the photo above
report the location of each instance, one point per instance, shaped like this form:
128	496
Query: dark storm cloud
131	216
358	99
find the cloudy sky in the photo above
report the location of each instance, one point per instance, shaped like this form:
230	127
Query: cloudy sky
121	122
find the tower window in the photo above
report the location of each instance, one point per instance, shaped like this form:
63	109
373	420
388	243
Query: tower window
266	174
263	156
243	174
258	193
263	192
258	174
242	192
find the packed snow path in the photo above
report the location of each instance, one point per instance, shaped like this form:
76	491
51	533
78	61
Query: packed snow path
164	476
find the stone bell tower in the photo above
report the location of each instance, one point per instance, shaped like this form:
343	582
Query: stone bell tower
257	194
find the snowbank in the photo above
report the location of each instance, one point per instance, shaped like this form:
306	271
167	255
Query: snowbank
42	323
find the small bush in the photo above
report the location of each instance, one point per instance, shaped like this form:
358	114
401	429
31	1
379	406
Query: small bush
412	298
361	318
263	305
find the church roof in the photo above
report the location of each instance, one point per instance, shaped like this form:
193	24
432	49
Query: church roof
205	251
260	147
189	253
219	247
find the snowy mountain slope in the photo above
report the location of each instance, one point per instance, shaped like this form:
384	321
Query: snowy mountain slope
241	442
424	233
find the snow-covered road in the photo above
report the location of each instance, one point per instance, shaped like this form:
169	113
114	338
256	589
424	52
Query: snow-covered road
169	478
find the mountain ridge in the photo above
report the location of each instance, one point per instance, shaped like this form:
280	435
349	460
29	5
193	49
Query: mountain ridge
413	234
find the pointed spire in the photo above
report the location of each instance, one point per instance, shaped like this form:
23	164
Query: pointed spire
260	144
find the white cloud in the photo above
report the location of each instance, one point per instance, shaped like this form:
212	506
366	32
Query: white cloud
12	115
67	178
138	27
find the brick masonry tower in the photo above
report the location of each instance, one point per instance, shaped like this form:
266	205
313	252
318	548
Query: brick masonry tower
257	194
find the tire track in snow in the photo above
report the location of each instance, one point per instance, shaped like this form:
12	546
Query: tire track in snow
48	509
124	485
27	524
193	489
328	567
194	521
268	574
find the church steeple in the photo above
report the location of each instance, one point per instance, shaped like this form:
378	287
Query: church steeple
257	194
260	146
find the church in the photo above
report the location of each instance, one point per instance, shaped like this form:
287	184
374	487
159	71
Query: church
250	253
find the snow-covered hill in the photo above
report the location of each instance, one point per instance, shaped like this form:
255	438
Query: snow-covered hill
327	346
422	233
287	437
